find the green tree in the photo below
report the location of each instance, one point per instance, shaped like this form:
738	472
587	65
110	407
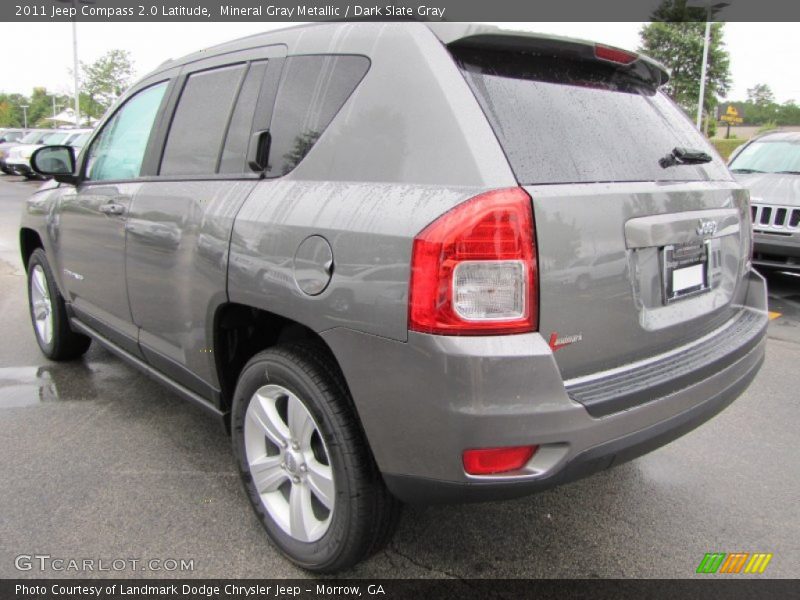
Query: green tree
41	107
7	117
104	80
761	95
675	38
10	111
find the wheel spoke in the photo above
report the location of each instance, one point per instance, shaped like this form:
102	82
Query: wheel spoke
276	416
267	473
301	425
46	333
263	412
320	480
301	515
39	282
40	309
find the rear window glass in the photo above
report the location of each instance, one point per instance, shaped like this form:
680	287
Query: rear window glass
200	122
561	120
313	90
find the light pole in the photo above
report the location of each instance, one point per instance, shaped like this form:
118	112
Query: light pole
707	4
24	108
74	4
54	110
703	68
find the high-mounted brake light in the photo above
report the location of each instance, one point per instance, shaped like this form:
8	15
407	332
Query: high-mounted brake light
615	55
473	270
489	461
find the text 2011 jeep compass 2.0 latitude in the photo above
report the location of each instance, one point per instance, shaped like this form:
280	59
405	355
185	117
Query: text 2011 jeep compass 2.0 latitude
364	246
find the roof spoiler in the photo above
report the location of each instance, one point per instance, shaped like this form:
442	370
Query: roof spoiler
465	35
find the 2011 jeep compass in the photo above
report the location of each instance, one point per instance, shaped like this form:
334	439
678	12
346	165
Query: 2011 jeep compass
404	262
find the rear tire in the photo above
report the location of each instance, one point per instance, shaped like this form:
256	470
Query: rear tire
312	447
49	313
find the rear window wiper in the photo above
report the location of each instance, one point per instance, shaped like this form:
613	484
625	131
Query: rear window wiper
788	172
746	171
684	156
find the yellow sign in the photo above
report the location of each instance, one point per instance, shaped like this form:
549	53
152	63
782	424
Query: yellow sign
731	115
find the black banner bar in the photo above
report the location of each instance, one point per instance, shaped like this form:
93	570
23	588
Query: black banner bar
710	587
433	10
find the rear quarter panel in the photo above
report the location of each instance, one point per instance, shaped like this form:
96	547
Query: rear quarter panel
409	144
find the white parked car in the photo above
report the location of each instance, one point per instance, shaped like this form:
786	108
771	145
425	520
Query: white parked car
18	160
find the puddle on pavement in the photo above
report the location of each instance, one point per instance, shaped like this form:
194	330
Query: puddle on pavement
26	386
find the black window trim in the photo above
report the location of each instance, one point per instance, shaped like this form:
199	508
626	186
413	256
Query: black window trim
174	77
272	53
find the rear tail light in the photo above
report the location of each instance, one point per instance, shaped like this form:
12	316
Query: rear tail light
614	55
490	461
473	270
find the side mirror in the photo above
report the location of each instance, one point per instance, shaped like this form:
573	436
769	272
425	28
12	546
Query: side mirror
57	162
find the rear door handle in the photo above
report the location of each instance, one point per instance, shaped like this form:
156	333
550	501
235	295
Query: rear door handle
112	209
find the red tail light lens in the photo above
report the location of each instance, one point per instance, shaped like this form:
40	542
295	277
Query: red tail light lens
473	270
490	461
614	55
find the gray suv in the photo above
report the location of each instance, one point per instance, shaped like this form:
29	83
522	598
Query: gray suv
769	166
361	247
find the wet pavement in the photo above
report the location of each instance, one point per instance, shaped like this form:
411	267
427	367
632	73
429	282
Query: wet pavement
100	462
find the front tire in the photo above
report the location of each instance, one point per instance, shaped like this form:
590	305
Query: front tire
49	313
304	461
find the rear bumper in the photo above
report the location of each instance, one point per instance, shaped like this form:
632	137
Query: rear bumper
589	461
425	401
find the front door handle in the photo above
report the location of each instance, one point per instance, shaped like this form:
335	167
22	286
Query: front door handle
112	209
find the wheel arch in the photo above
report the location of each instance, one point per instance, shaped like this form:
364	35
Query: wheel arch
241	331
29	240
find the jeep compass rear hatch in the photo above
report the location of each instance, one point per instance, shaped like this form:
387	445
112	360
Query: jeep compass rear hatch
641	232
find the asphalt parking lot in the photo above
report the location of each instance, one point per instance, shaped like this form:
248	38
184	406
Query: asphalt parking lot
100	462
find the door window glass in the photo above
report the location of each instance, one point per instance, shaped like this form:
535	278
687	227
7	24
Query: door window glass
200	121
118	151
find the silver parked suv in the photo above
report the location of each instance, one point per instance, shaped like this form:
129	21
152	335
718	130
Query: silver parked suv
404	262
769	166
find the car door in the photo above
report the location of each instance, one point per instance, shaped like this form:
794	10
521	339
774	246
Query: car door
180	222
91	217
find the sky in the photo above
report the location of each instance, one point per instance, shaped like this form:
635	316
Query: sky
760	52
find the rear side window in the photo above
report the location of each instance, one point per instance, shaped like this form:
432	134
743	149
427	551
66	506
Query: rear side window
561	120
200	121
313	90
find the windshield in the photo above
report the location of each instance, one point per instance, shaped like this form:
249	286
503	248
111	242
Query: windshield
31	138
80	141
55	138
561	120
768	157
